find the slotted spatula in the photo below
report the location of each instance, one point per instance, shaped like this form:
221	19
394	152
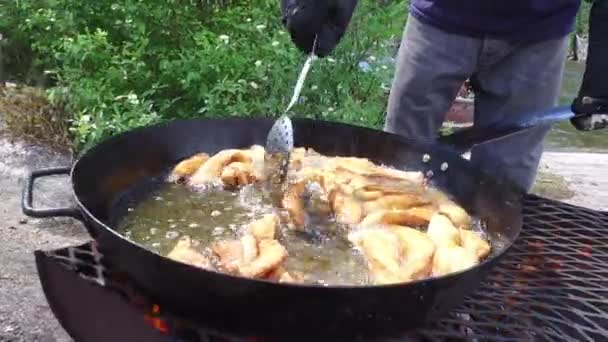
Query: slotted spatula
279	141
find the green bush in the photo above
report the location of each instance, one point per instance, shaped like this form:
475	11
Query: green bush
119	65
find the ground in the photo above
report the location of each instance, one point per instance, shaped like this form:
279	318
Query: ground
576	178
24	313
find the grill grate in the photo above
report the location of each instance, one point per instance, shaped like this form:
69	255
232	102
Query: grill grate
552	286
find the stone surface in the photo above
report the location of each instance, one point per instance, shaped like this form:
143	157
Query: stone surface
24	313
586	174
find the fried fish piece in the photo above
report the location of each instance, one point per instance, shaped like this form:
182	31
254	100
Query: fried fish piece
257	153
264	228
249	257
238	174
293	201
250	248
309	174
296	158
442	231
381	249
417	250
418	216
230	255
187	167
352	164
459	217
452	258
184	252
394	202
369	192
346	208
474	243
271	255
413	177
373	219
212	169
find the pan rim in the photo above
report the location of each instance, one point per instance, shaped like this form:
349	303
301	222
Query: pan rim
420	282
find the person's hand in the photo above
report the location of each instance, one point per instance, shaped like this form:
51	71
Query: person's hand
591	105
591	113
325	19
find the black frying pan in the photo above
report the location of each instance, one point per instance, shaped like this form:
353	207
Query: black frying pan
104	174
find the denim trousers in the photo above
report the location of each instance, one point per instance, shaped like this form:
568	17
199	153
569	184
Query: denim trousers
508	78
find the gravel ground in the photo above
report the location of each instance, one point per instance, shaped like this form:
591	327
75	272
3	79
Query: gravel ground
24	313
586	174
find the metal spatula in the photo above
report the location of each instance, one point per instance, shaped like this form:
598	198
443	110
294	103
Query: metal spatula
279	141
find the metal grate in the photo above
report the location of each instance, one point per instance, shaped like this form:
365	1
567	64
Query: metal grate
85	260
553	285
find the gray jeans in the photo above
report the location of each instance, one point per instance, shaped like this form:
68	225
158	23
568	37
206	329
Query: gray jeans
509	78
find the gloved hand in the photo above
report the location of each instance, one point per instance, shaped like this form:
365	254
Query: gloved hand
326	19
591	105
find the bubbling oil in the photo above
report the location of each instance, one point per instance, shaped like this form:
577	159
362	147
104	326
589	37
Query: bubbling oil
214	214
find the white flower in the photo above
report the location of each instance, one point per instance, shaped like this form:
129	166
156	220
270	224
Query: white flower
224	38
275	43
265	78
281	32
330	109
248	20
258	63
260	27
372	58
314	87
384	67
132	98
331	60
253	85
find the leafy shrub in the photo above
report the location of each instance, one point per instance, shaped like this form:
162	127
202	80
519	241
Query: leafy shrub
119	65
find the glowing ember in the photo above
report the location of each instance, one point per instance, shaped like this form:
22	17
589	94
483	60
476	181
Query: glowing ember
154	320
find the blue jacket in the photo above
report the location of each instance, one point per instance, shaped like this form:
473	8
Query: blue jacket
517	20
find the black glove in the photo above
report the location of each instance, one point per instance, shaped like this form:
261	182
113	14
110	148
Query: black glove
326	19
591	105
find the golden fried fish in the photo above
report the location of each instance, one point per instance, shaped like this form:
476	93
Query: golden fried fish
474	243
184	252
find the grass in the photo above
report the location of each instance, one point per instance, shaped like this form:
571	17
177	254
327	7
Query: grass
28	114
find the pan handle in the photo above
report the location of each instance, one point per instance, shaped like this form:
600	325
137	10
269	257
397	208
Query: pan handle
465	139
28	196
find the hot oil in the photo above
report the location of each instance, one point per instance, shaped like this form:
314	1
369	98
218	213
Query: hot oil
172	211
207	216
322	253
325	260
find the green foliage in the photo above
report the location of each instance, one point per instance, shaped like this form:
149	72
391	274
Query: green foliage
119	65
